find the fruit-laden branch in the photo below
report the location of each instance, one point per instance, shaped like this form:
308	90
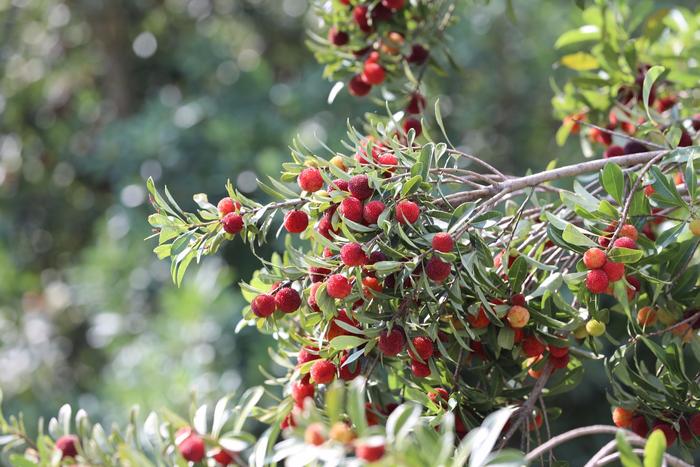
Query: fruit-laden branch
596	430
515	184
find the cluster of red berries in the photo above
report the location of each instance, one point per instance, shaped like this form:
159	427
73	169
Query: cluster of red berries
192	448
231	219
689	425
601	271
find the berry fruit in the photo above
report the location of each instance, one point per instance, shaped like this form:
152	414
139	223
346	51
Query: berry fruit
595	328
420	370
357	87
372	211
597	281
480	321
646	316
443	242
310	180
532	347
192	448
625	242
424	348
338	38
223	457
391	343
416	104
359	187
232	222
622	418
352	255
338	286
370	450
296	221
437	394
614	271
639	426
227	205
694	227
373	73
629	231
314	434
694	424
614	151
341	432
68	445
407	212
287	300
263	305
558	352
437	270
300	391
518	316
323	372
351	209
594	258
412	124
667	430
634	147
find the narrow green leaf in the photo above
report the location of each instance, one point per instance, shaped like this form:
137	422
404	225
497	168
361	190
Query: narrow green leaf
347	342
574	236
649	80
613	181
627	457
654	449
625	255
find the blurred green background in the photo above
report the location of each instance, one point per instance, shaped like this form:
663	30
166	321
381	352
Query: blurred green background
98	95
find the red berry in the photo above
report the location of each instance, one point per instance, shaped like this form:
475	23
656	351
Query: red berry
388	159
232	222
338	38
352	255
438	393
437	270
594	258
424	348
359	187
310	180
416	104
639	426
420	370
311	301
648	190
287	300
376	256
373	73
300	391
372	211
357	87
318	274
351	209
665	103
338	184
685	140
346	373
393	4
597	281
412	124
480	321
614	271
558	352
263	305
443	242
636	287
667	430
359	14
338	286
694	424
600	136
391	343
334	330
418	54
296	221
532	347
323	372
370	451
68	445
227	205
684	431
288	422
634	147
518	299
307	354
407	212
223	457
629	231
325	225
625	242
192	448
614	151
559	362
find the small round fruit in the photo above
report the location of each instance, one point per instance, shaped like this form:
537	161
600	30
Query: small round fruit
639	426
337	37
594	258
629	231
437	270
597	281
192	448
424	348
352	254
420	370
372	211
694	227
339	163
342	433
68	445
581	332
480	321
443	242
613	151
667	430
296	221
622	418
391	343
646	316
694	424
370	450
287	300
407	212
416	104
357	87
323	372
338	286
232	223
263	305
518	316
595	328
314	434
439	395
625	242
301	391
359	187
223	457
310	180
614	271
373	73
227	205
412	124
532	347
351	209
558	352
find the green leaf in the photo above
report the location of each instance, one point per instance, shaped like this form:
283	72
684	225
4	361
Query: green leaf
580	61
654	449
649	80
691	179
407	188
347	342
625	255
356	405
20	461
585	33
613	180
574	236
627	457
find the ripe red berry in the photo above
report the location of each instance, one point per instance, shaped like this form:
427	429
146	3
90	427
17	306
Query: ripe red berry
412	124
337	38
387	159
372	211
685	140
338	184
357	87
310	180
418	54
407	212
437	394
68	445
263	305
192	448
359	14
300	391
559	362
694	424
352	255
325	225
370	283
629	231
597	281
227	205
480	321
600	136
359	187
532	347
437	270
307	354
518	299
416	104
442	241
614	271
373	73
318	274
351	209
311	301
391	343
625	242
558	352
634	147
296	221
667	430
370	451
639	426
648	190
232	222
614	151
323	372
424	348
287	300
223	457
338	286
376	256
420	370
594	258
393	4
